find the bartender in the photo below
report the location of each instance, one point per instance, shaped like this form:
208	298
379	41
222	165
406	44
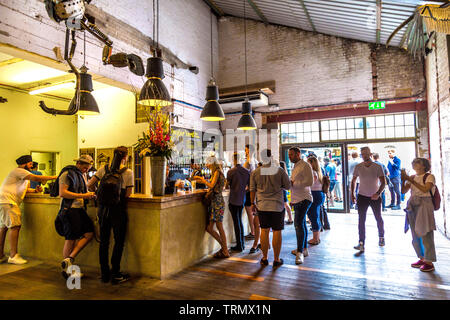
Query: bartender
171	184
196	172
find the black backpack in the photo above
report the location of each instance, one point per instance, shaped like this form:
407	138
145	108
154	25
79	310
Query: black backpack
109	188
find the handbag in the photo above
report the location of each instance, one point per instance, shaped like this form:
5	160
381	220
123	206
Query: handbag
436	196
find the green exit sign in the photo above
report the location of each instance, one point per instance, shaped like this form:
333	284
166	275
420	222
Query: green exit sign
377	105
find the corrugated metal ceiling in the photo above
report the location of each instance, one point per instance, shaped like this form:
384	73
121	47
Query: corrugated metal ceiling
354	19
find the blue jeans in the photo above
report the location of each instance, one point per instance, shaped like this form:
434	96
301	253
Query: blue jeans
301	230
395	191
314	210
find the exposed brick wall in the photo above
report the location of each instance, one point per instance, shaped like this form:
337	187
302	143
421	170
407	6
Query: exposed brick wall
399	74
312	69
437	73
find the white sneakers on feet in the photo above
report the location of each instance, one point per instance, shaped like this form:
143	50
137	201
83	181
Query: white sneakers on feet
299	258
17	259
305	252
65	264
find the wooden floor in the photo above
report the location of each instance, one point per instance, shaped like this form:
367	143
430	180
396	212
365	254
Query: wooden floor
332	271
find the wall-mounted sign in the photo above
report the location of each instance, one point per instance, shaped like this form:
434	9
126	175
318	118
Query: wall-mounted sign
377	105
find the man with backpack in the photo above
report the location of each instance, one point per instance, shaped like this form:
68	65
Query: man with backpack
116	185
72	221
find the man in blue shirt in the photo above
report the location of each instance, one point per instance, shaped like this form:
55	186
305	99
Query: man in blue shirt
34	170
376	158
394	167
238	178
330	168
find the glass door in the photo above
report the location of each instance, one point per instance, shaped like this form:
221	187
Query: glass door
334	163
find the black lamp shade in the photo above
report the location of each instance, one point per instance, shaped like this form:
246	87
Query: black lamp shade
246	122
88	105
154	93
212	111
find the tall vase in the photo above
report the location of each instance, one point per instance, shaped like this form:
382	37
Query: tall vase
158	175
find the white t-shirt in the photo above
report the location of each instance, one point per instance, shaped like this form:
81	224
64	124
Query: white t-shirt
14	187
369	180
126	178
302	177
419	179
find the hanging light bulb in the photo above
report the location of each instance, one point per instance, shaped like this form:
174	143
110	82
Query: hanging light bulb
246	122
212	111
154	93
88	105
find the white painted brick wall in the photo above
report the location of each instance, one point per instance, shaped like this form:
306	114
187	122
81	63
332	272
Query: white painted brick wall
440	135
184	29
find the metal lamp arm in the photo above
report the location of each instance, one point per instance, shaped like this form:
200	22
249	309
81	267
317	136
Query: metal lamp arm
68	57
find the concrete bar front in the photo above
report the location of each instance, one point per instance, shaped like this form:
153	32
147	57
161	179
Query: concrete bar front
165	234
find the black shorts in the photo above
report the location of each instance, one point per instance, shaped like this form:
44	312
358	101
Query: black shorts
248	203
271	219
74	223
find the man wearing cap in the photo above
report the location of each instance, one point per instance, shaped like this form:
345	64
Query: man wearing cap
77	227
12	193
34	170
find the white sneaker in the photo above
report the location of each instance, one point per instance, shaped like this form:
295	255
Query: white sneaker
305	252
299	258
17	259
4	259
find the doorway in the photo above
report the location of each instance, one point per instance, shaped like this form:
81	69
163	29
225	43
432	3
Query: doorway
405	151
331	160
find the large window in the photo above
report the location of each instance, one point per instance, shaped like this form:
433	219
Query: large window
389	126
342	129
300	132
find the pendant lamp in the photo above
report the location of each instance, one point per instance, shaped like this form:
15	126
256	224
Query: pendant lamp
246	122
154	93
212	111
88	105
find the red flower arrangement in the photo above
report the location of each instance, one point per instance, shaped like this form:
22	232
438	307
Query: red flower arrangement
156	141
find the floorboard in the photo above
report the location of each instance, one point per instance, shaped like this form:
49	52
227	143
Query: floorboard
332	271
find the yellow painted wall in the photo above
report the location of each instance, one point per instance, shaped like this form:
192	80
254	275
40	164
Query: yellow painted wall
24	127
116	123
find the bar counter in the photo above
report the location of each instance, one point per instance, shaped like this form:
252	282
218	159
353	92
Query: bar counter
165	234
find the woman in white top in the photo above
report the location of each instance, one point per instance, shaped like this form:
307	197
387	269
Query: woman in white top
318	199
420	212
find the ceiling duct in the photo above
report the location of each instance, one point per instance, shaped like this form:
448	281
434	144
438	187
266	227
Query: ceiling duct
233	103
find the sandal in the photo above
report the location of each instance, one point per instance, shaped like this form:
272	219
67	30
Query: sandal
264	262
220	255
313	242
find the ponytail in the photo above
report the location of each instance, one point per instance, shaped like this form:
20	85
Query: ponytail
119	154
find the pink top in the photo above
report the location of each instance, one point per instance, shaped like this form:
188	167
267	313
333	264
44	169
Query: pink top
316	186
